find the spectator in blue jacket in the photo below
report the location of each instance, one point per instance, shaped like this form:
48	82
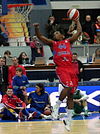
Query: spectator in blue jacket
20	84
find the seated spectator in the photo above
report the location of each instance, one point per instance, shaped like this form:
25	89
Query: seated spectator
80	103
88	28
36	49
14	108
20	83
96	26
96	54
79	40
78	66
72	30
39	101
85	38
7	54
23	58
52	26
97	37
12	69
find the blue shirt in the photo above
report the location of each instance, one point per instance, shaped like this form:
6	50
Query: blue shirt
20	81
39	101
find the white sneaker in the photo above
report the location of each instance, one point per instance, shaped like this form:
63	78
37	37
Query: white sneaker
55	111
32	115
47	117
67	124
16	115
62	115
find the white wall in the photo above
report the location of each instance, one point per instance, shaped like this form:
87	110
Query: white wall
75	4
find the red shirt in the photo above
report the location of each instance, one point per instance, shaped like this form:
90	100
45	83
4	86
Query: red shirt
32	44
97	26
12	102
12	72
62	53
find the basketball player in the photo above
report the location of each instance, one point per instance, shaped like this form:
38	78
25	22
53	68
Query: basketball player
64	68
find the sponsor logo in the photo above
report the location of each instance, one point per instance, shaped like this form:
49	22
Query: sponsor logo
91	100
62	46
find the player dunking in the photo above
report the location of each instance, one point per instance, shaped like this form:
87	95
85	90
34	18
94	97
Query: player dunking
64	67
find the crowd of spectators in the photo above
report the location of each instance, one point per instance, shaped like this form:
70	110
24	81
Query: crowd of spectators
90	30
90	34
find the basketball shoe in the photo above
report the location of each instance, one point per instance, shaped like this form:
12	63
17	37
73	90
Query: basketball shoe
55	111
67	124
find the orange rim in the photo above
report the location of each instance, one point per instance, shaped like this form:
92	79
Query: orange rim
18	5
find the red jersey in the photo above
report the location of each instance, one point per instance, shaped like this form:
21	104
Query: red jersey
12	72
62	53
12	102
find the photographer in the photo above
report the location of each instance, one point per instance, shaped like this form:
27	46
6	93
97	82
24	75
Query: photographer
36	49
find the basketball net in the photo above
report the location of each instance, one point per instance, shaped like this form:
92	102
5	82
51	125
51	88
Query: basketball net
22	11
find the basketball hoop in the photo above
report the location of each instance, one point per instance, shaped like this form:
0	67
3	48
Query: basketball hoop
22	11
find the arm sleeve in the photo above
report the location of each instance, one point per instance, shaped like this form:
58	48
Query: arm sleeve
5	101
27	82
15	87
21	102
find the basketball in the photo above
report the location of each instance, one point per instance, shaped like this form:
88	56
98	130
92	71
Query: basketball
73	14
47	112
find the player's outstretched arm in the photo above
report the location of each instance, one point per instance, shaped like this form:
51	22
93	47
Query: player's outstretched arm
40	36
79	31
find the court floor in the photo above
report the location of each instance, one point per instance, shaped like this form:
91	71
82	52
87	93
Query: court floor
79	126
51	127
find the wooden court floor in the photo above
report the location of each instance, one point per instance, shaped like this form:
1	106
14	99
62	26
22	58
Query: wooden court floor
50	127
